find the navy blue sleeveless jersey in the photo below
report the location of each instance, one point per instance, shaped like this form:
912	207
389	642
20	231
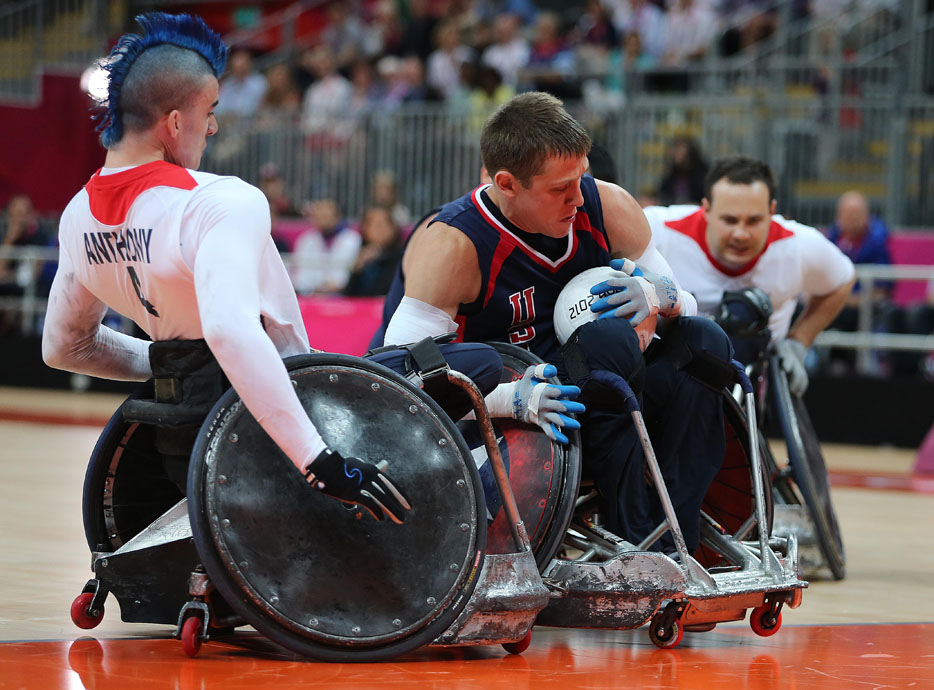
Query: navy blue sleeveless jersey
520	282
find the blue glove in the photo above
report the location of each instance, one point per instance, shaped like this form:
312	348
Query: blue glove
630	296
535	401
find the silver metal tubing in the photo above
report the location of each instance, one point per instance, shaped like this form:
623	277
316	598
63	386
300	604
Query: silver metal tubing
517	527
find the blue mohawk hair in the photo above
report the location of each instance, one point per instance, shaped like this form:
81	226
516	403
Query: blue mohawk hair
159	28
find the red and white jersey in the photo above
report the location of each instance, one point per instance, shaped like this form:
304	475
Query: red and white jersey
797	261
132	238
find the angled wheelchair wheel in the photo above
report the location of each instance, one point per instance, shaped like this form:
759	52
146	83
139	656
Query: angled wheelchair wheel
544	475
128	483
808	468
311	573
730	500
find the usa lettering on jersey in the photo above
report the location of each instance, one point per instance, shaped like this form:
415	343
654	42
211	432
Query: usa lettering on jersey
523	315
129	244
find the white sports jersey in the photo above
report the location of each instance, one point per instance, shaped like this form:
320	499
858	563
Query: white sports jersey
132	238
186	255
797	260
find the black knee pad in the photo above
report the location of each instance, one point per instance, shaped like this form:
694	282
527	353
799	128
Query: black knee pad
701	348
609	344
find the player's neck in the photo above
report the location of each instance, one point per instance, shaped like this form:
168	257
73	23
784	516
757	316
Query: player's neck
132	151
504	207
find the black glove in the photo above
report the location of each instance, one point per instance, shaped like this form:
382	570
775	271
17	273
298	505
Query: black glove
353	481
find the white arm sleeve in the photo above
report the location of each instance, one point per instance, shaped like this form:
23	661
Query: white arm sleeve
414	320
226	275
74	339
653	260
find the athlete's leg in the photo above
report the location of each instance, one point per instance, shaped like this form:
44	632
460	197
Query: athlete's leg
612	454
479	362
684	413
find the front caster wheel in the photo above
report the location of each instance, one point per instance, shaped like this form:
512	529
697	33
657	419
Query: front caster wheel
666	637
765	620
191	635
81	614
520	646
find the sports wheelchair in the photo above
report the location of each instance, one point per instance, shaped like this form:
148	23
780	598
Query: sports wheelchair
195	518
800	483
801	487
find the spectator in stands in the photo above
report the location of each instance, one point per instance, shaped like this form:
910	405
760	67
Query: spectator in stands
325	253
384	193
343	35
378	257
509	53
241	89
644	18
20	227
281	104
683	181
366	91
418	29
272	184
488	93
864	238
405	81
326	101
444	64
552	61
692	26
382	35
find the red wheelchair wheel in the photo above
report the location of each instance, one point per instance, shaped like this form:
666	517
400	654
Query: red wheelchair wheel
81	614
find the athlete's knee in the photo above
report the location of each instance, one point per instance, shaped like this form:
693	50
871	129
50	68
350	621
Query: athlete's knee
700	348
607	345
477	361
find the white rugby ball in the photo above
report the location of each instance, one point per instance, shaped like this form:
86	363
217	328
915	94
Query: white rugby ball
572	308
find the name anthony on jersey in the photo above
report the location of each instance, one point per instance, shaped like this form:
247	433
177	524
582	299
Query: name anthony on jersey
129	244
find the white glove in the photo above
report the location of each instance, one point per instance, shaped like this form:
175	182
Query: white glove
791	354
533	400
632	296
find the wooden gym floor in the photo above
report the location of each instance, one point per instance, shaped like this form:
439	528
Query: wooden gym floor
873	630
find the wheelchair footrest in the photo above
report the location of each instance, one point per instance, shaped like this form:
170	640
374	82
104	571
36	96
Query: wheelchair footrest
621	593
503	607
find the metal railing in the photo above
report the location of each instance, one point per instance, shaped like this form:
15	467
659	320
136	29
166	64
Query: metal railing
818	148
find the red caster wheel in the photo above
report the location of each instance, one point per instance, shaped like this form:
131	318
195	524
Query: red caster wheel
81	615
666	638
520	646
191	635
764	620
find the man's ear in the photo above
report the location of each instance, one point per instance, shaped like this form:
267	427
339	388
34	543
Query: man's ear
772	207
172	124
705	205
506	183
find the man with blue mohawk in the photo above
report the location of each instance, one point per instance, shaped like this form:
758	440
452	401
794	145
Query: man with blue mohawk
187	255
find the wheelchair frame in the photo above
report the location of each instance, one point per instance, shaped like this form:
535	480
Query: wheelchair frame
801	487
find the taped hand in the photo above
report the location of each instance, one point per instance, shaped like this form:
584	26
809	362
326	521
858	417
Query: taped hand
791	354
353	481
536	401
630	296
665	288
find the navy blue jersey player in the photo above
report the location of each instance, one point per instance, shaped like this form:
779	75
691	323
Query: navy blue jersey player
491	264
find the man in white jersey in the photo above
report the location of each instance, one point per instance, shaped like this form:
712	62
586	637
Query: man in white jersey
734	241
187	255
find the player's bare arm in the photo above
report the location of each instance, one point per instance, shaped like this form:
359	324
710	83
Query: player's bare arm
441	268
626	225
819	312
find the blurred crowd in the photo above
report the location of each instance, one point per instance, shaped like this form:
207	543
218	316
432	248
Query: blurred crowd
473	54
